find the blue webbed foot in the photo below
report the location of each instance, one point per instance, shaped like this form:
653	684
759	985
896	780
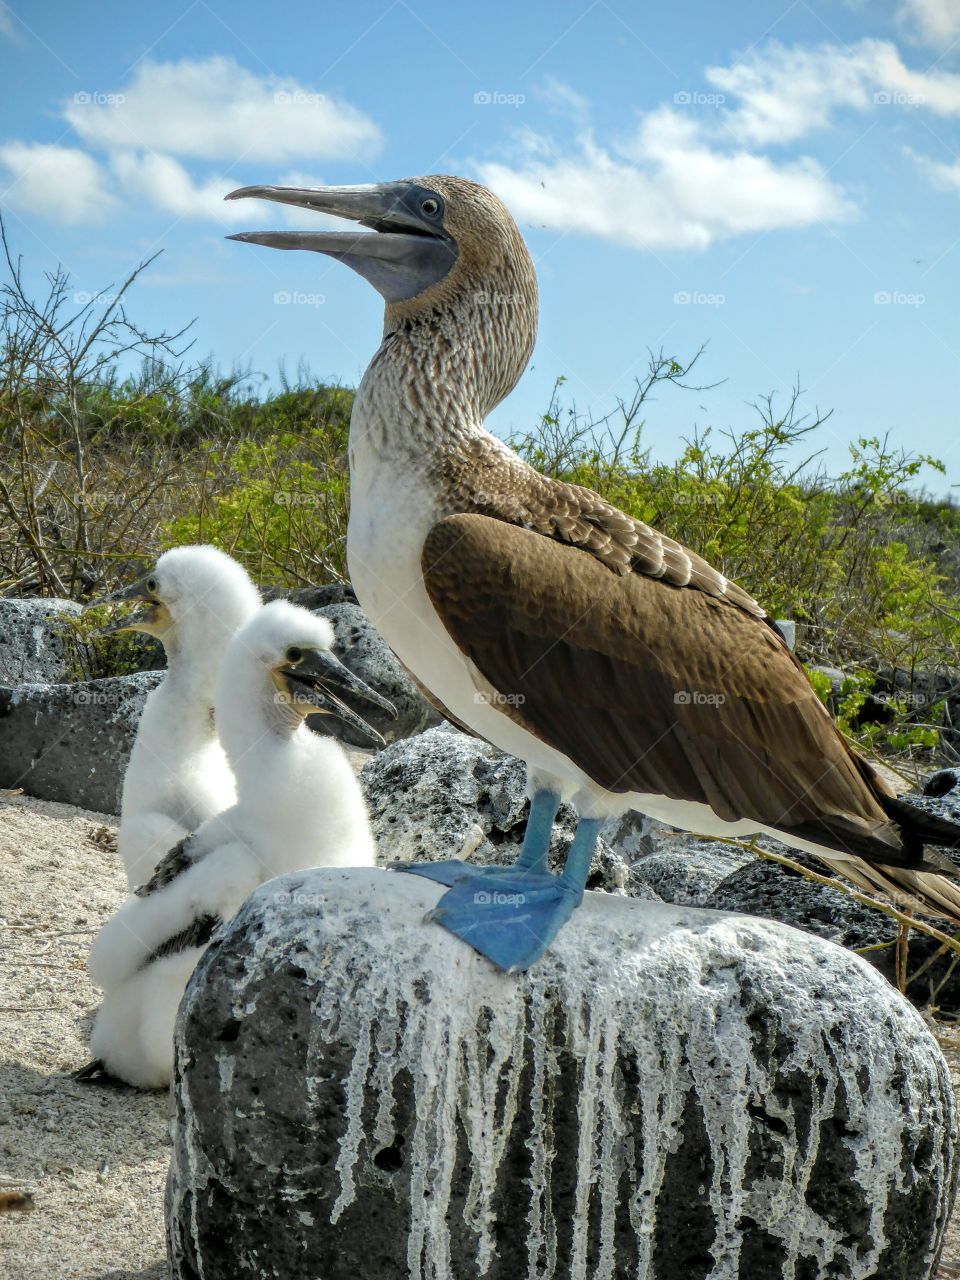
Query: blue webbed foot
510	917
512	914
443	872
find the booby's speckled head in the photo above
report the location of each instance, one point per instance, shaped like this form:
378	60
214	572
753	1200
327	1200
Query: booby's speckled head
197	593
292	650
431	241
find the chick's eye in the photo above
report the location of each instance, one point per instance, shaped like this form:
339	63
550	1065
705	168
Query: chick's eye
294	655
152	584
430	207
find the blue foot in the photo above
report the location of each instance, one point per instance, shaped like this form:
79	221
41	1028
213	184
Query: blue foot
512	914
510	918
533	852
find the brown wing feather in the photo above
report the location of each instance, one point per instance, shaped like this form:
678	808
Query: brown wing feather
651	688
505	488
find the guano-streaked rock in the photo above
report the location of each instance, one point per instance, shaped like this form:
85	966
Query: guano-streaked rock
670	1092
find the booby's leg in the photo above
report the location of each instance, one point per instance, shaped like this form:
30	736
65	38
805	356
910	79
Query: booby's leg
532	856
96	1073
536	838
511	915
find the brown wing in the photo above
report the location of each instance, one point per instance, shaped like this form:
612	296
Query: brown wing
503	487
197	934
172	864
652	688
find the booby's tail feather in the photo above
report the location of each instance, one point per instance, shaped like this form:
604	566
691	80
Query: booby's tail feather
919	891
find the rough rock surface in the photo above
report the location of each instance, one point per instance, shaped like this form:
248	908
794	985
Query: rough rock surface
942	782
685	870
940	794
358	1093
314	597
767	889
444	794
71	742
37	642
360	647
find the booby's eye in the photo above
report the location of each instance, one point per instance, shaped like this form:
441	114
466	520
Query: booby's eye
430	207
152	585
294	655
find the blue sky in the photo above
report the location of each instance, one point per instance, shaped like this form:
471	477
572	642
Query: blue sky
780	182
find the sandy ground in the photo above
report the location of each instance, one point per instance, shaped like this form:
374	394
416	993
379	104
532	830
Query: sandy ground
94	1159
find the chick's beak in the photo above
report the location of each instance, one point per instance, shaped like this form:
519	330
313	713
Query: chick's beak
142	621
319	678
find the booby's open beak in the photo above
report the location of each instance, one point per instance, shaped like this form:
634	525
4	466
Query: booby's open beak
146	620
314	679
406	251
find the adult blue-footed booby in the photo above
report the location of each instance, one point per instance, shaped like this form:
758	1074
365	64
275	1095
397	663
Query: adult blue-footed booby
196	599
298	805
625	670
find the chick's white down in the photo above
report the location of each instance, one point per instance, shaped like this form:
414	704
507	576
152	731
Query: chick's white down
298	805
178	775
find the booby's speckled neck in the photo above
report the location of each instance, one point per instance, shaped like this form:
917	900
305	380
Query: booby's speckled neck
440	370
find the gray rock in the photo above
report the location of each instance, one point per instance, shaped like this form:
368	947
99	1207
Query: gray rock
942	782
314	597
37	642
685	871
444	794
940	795
360	647
767	889
669	1092
71	742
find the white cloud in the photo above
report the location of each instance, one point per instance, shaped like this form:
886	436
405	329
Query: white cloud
945	177
665	187
214	109
60	183
937	21
562	96
166	184
7	29
784	93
